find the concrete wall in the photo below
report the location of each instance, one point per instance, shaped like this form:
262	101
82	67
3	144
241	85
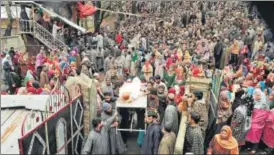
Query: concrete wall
13	41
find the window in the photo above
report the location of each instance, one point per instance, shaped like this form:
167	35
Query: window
61	136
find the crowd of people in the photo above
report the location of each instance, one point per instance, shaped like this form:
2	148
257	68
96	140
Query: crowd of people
163	48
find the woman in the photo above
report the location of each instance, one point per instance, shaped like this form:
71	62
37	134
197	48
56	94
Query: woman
159	64
33	87
241	120
223	143
268	133
147	70
259	115
28	77
224	110
40	59
180	76
168	63
179	97
169	77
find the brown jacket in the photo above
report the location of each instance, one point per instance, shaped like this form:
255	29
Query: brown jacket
167	144
44	79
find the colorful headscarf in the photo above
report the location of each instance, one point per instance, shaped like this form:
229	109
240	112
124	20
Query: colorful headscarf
230	142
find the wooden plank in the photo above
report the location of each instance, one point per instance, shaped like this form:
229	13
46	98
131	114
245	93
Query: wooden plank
5	114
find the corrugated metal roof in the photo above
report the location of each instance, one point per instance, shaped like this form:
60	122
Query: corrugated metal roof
11	124
14	110
32	102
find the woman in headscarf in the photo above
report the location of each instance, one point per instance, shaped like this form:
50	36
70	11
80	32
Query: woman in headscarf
259	115
268	133
40	59
168	63
242	55
33	87
223	143
169	77
240	122
72	57
147	70
224	110
28	77
180	78
179	97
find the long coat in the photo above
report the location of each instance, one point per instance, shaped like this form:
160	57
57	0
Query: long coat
98	142
167	144
238	123
171	118
201	108
152	139
116	141
44	79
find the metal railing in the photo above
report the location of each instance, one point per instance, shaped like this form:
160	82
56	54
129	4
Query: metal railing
40	33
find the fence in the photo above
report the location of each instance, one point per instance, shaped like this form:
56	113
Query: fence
217	80
61	131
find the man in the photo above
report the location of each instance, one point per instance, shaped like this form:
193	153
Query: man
110	99
158	82
120	62
44	79
100	40
153	101
171	115
167	143
153	135
127	60
108	87
162	101
197	104
92	55
116	142
269	50
108	61
12	52
55	28
218	51
194	141
100	59
256	54
98	138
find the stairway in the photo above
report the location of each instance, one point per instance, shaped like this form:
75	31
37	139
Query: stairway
41	34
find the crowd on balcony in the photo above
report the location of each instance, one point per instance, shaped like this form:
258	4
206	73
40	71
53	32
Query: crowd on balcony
163	48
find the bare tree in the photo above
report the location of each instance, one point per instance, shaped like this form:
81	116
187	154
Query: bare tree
99	15
10	19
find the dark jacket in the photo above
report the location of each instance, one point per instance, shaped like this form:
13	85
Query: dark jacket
152	139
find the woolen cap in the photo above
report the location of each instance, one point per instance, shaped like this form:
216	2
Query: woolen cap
106	106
